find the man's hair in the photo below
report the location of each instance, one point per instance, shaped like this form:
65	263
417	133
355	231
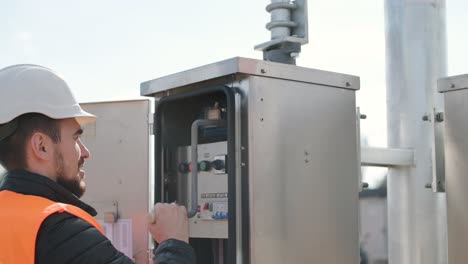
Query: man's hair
13	148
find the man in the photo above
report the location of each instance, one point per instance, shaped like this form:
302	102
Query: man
42	219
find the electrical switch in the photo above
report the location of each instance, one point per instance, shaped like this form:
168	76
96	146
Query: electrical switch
204	165
183	167
218	164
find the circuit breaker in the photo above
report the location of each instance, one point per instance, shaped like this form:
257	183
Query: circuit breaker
211	211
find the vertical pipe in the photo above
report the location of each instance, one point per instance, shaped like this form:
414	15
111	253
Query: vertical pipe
416	58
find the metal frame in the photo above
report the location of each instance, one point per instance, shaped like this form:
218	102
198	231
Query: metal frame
387	157
231	162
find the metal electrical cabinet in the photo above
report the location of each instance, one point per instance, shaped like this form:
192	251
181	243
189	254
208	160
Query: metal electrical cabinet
455	91
118	183
264	156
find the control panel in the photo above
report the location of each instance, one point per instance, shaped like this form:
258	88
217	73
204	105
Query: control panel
210	220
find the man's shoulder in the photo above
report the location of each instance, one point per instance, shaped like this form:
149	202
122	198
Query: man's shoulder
65	237
62	226
63	219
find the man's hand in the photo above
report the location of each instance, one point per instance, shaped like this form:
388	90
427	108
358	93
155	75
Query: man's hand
170	221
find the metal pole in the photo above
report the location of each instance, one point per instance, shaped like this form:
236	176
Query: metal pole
416	58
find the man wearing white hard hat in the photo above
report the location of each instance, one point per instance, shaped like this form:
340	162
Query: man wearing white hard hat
42	219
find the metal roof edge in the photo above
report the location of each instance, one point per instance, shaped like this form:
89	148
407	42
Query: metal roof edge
251	67
452	83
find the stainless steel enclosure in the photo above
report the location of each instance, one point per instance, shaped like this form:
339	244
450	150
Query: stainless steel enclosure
296	179
118	183
455	91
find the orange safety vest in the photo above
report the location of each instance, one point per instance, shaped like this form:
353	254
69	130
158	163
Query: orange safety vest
20	219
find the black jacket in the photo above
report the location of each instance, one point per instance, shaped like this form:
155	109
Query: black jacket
65	238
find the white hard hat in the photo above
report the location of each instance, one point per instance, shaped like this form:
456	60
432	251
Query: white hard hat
27	88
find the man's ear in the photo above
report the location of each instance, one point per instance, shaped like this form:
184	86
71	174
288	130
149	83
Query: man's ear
41	146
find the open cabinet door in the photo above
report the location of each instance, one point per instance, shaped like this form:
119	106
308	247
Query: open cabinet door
118	182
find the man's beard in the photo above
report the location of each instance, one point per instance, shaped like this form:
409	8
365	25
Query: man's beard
74	184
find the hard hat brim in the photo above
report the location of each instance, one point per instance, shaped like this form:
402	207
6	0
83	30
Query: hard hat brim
81	116
86	118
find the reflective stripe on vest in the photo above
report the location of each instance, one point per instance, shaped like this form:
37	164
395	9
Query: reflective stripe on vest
20	219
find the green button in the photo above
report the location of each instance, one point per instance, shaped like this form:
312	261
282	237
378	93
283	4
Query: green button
204	166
